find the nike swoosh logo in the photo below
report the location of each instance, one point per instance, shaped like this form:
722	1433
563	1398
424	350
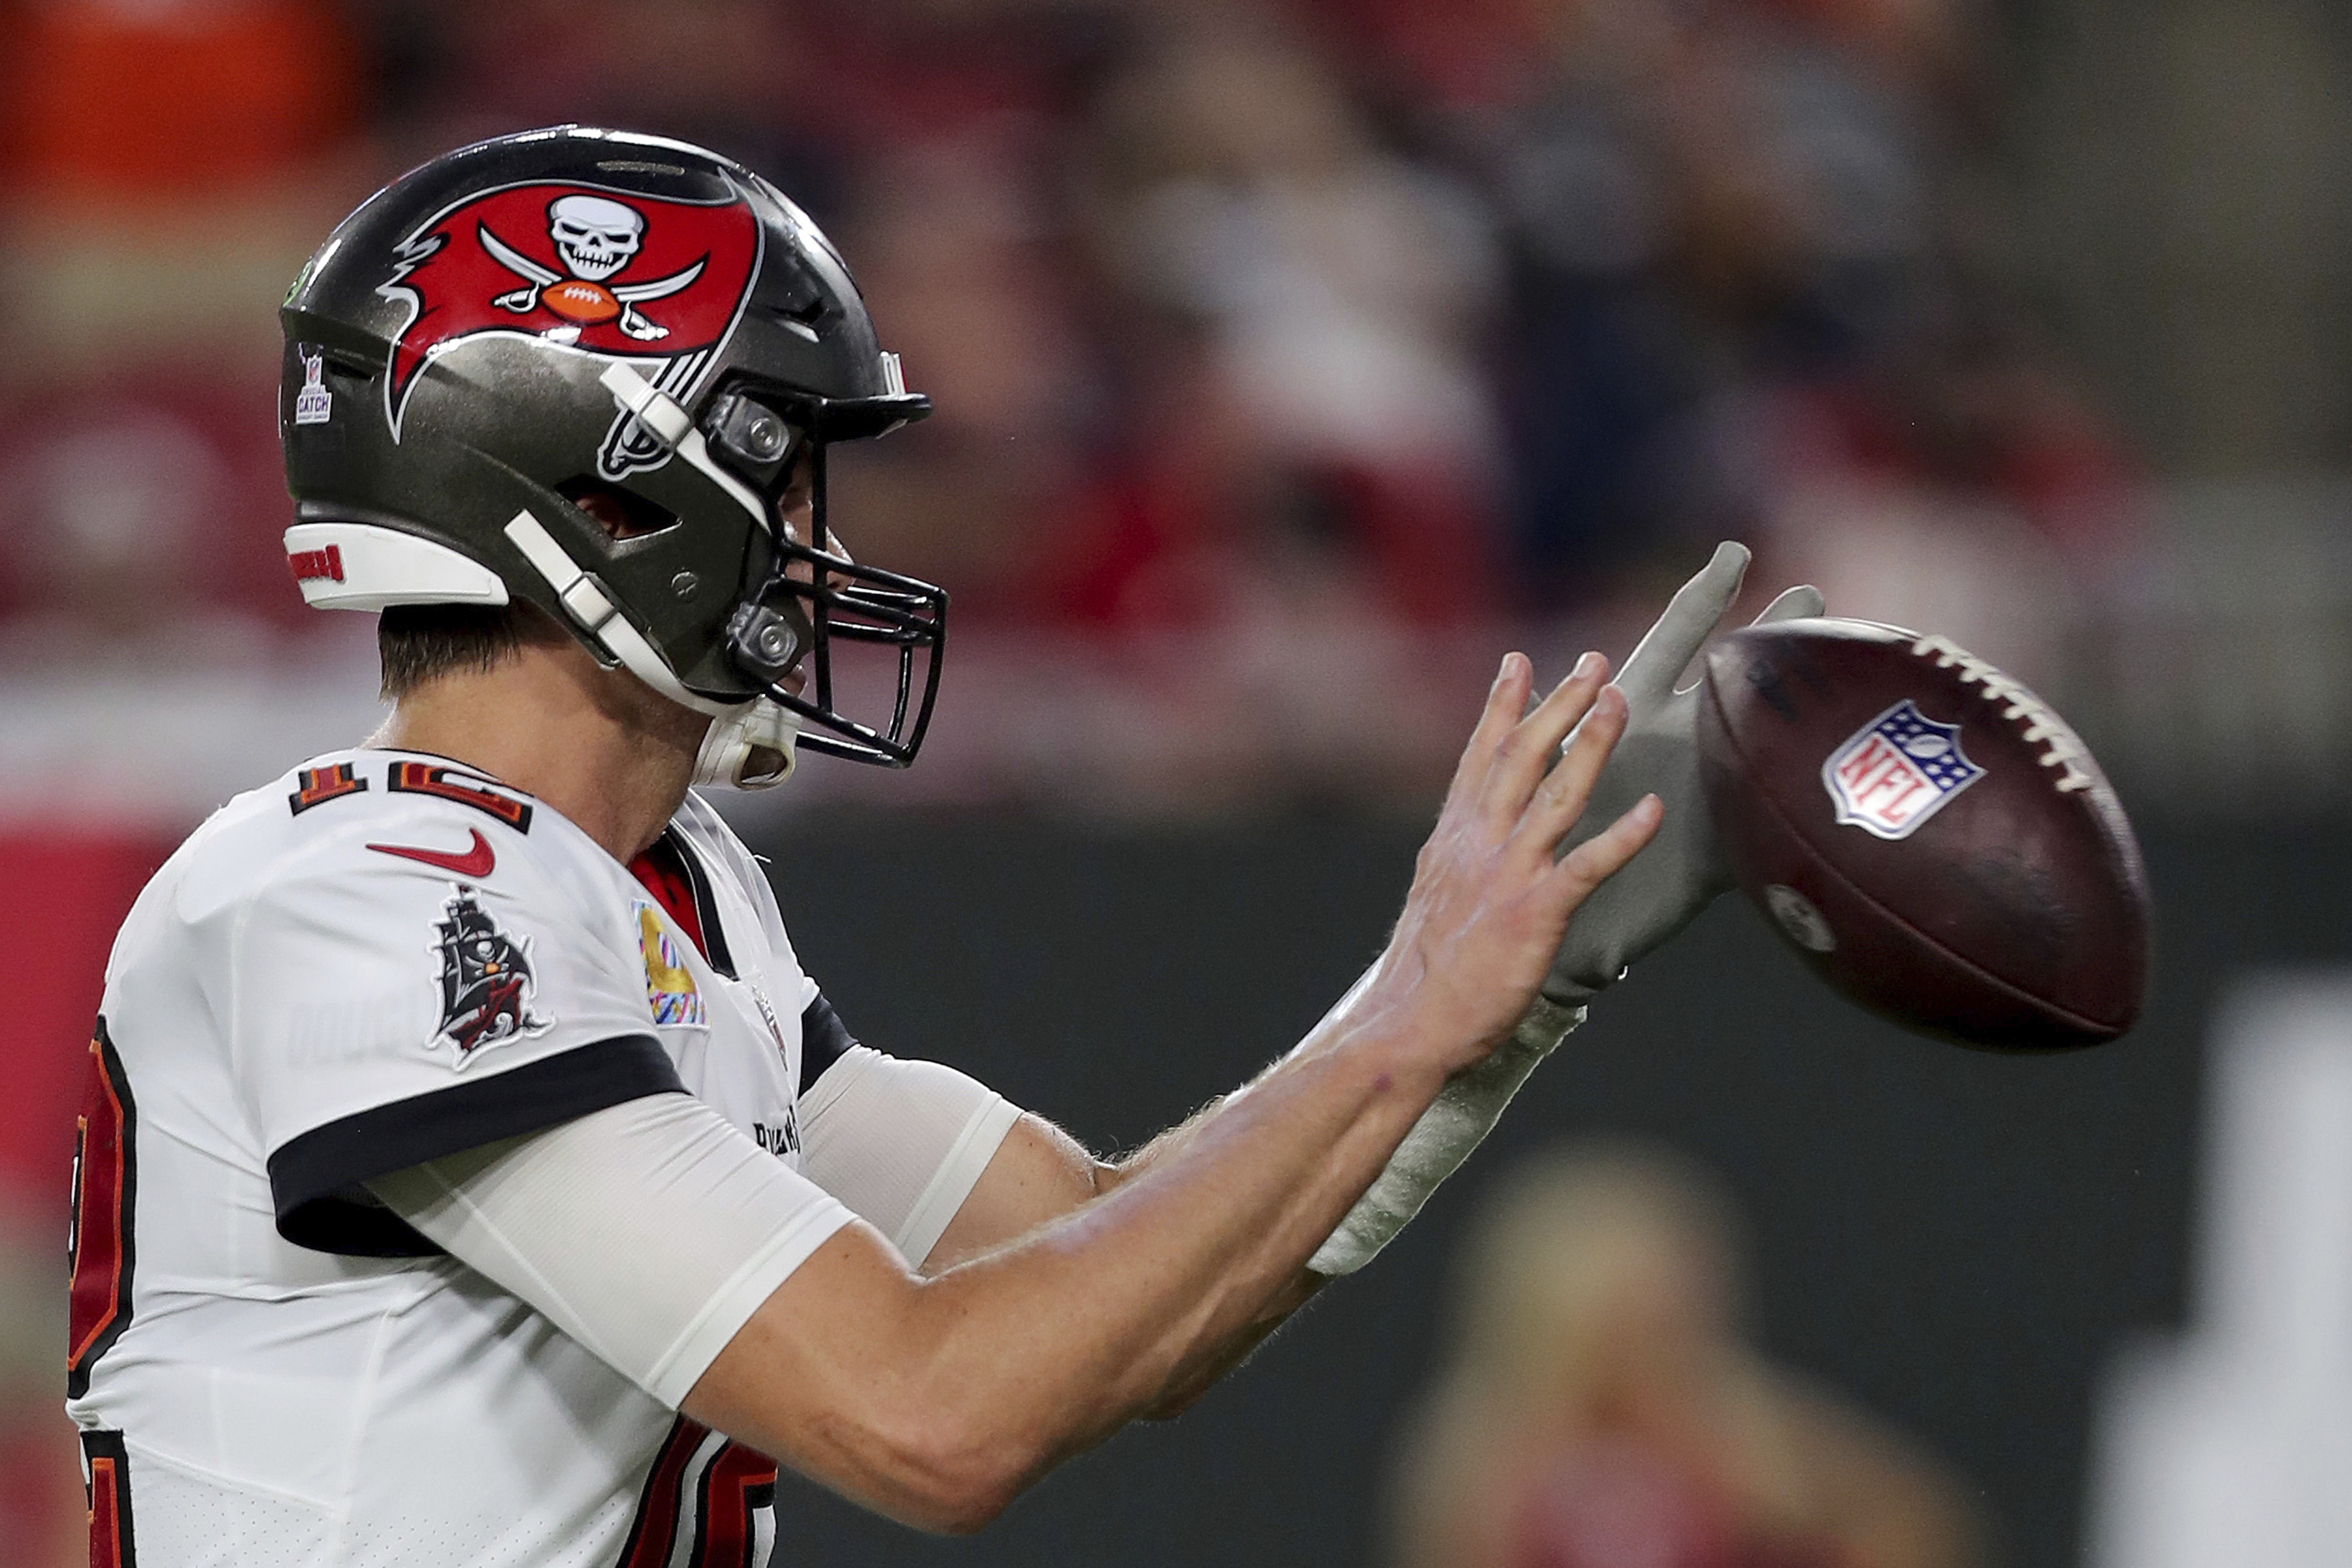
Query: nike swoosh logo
474	863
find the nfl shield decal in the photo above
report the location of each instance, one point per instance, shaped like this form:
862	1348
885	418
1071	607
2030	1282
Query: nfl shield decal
611	272
487	984
1897	771
670	989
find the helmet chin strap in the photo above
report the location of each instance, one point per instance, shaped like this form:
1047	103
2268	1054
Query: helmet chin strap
663	418
740	739
583	596
743	735
745	738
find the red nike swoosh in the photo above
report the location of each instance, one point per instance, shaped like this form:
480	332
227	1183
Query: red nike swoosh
474	862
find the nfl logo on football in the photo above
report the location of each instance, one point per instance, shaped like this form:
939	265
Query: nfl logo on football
1897	771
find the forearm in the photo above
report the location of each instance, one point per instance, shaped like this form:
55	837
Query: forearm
1210	1361
971	1383
1245	1191
939	1399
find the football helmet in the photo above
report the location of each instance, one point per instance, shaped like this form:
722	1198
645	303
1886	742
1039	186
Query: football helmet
571	309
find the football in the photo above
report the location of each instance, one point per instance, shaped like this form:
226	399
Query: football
577	299
1931	839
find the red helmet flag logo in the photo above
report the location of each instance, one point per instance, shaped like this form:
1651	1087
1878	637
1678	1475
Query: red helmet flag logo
611	272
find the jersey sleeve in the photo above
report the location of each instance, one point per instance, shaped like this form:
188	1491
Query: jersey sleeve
383	1014
901	1143
649	1232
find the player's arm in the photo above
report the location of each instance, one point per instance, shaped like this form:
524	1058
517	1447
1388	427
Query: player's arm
1040	1173
937	1399
941	1398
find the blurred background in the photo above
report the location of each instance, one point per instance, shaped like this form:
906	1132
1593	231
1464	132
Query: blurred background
1292	359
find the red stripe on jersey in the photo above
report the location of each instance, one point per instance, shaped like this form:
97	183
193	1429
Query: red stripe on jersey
105	1187
664	877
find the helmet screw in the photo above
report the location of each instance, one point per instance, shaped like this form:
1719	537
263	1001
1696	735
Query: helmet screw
776	642
763	438
684	585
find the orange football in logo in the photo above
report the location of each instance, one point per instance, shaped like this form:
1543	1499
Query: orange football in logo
579	300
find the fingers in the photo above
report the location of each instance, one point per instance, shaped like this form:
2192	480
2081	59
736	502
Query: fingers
1524	757
1794	603
1604	854
1506	700
1562	797
1690	617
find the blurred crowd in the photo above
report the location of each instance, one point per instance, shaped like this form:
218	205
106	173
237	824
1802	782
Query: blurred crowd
1602	1407
1332	312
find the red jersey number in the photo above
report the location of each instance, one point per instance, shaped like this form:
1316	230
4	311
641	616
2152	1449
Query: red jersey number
708	1498
105	1187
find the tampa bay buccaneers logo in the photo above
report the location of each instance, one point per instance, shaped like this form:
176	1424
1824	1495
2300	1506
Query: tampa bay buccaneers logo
486	980
611	272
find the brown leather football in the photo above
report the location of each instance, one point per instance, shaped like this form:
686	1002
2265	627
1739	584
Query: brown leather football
1927	835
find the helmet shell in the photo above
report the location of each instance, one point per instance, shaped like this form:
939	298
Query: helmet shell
446	355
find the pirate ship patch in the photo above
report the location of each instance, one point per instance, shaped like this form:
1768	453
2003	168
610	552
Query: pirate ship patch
487	983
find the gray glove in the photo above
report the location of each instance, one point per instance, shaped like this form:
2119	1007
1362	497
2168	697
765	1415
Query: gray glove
1682	869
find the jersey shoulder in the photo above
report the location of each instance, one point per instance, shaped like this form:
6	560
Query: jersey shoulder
372	816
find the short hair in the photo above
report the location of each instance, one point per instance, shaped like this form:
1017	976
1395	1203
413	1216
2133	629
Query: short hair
420	643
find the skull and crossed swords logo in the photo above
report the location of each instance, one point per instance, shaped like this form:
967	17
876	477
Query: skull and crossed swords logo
616	273
595	238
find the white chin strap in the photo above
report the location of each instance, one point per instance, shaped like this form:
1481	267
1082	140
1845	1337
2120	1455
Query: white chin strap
750	748
750	745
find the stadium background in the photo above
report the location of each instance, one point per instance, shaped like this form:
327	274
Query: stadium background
1292	360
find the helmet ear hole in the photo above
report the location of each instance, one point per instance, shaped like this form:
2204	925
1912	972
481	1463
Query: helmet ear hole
620	514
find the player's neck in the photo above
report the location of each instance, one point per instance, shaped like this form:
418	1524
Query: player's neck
594	745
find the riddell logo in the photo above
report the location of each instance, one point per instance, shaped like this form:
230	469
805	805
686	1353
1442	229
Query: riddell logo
307	565
611	272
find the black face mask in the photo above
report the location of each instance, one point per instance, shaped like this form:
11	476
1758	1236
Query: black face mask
789	619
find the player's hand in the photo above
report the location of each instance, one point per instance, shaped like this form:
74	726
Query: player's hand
1492	893
1681	873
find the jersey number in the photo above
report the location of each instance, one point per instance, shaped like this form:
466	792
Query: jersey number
105	1187
708	1503
341	780
424	778
111	1540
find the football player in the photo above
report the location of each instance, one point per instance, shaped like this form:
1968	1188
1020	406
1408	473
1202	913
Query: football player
469	1172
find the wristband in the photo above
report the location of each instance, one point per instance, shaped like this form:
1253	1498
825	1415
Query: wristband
1461	1115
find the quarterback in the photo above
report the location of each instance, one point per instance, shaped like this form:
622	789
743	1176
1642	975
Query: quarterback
470	1174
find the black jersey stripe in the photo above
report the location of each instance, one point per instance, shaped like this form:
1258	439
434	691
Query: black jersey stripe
823	1039
315	1179
706	905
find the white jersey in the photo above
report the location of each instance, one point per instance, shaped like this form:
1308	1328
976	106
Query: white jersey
383	959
